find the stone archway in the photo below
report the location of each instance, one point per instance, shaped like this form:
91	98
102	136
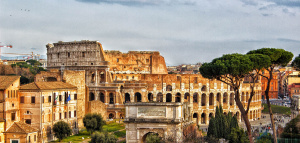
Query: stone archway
150	97
102	97
187	97
203	99
91	96
225	98
138	97
211	99
178	97
195	118
159	97
169	97
195	97
111	116
143	140
127	97
203	118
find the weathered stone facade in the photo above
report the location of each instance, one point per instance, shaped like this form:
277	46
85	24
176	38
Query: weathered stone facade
115	78
165	119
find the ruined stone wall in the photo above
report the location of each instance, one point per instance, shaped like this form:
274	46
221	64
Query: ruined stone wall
146	62
77	53
97	107
52	75
77	78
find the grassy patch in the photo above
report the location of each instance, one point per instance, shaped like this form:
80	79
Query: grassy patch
120	133
277	109
76	138
112	127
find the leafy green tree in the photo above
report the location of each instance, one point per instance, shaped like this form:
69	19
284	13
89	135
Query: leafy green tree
231	70
153	138
103	138
296	62
212	128
238	135
278	57
61	130
292	129
93	122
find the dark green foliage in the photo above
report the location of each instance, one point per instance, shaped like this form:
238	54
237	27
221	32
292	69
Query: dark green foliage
24	80
238	135
221	125
235	65
93	122
296	62
61	130
265	139
291	130
212	128
153	138
277	56
103	138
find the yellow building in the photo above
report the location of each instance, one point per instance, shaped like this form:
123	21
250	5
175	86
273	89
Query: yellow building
2	122
19	132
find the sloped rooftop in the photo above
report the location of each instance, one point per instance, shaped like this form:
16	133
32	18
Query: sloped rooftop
20	127
47	86
6	81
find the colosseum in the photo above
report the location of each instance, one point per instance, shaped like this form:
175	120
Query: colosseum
115	78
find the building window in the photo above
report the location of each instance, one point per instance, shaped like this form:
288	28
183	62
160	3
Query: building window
117	59
49	99
147	60
75	113
13	116
32	99
75	96
29	139
60	98
34	137
65	115
59	116
83	54
22	99
13	105
28	121
70	114
92	63
43	100
57	55
69	54
54	117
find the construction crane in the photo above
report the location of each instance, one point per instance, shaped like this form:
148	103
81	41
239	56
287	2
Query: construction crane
33	56
8	46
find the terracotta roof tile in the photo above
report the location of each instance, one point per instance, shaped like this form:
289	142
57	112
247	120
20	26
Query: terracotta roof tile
46	85
20	127
5	81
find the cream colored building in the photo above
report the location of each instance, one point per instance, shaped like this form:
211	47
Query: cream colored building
42	104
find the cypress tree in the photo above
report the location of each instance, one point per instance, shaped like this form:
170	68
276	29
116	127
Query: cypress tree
212	128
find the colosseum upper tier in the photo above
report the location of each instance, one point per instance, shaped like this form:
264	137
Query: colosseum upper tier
116	78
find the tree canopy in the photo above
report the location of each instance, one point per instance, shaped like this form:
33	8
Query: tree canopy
103	138
278	57
93	122
61	130
296	62
228	68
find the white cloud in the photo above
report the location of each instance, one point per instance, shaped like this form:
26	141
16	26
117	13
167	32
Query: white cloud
184	31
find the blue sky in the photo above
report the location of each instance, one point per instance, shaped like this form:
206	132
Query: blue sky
183	31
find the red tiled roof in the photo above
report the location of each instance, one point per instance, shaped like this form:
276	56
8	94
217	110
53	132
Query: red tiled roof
20	127
6	81
46	86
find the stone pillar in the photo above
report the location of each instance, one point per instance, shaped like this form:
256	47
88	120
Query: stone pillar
96	77
106	97
199	100
221	100
164	97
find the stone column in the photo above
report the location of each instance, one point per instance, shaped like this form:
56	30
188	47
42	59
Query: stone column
96	77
